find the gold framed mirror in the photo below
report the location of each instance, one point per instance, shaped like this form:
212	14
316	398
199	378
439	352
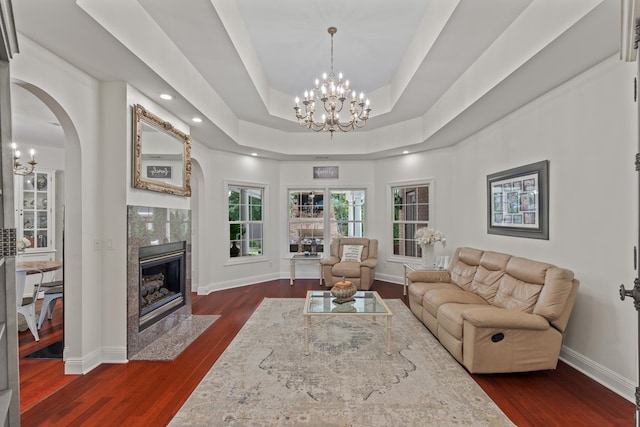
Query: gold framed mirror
161	155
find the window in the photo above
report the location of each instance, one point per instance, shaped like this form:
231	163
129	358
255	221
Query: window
347	213
310	225
246	222
411	207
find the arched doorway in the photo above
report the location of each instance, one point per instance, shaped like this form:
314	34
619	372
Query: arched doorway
39	121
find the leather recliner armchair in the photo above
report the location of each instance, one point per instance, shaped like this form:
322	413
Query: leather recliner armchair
342	263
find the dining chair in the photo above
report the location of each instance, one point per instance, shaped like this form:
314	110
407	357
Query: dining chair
28	308
51	295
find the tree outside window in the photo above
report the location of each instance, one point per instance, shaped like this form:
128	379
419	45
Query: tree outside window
245	220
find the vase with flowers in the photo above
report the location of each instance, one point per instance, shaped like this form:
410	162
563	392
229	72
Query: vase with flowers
427	237
22	244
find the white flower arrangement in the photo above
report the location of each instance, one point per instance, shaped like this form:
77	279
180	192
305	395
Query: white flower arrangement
430	236
23	243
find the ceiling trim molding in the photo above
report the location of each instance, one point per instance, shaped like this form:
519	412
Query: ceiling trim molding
630	14
7	31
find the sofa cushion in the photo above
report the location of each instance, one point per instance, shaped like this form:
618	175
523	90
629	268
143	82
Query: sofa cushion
346	269
462	274
514	294
485	283
464	265
434	298
555	293
527	270
451	317
417	290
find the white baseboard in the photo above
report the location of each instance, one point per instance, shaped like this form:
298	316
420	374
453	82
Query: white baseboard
390	278
236	283
601	374
83	365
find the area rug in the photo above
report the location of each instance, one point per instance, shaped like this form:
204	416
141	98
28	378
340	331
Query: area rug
169	346
52	351
264	379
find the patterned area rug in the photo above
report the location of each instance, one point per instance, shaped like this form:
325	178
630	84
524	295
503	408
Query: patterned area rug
264	379
175	340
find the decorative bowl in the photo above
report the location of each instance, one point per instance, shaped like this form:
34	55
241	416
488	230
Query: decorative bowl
343	291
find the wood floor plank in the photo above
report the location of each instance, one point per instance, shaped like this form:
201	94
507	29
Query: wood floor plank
150	393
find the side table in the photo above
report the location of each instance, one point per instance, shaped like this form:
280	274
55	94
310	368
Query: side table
408	267
303	258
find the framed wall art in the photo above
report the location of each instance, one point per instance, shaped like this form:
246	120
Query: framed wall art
518	201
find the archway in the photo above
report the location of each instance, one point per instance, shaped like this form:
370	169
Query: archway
72	214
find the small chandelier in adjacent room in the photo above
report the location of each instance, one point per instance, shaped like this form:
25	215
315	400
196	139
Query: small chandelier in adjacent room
332	94
19	168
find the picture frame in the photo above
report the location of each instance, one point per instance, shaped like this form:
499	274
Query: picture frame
518	201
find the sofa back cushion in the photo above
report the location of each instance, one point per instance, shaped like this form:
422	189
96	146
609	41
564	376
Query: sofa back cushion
464	266
554	296
487	278
520	287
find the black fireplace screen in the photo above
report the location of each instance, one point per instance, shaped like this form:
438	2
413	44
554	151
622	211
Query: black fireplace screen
162	281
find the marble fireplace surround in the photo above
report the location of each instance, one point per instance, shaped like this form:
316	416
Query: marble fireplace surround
148	226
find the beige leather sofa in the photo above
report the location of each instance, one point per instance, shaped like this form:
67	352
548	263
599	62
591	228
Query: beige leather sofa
495	312
361	273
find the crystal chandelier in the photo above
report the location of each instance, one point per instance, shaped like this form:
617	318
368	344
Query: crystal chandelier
19	168
332	93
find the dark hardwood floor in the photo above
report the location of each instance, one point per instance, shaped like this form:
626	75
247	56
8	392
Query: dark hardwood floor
150	393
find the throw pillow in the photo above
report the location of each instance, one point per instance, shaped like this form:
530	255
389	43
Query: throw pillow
351	253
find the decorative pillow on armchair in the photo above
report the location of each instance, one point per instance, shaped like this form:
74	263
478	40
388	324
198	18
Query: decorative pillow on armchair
351	253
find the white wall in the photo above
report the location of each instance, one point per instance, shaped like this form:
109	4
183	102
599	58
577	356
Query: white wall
587	130
73	98
220	271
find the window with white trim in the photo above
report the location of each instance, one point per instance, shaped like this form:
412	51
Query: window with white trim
246	220
311	225
411	207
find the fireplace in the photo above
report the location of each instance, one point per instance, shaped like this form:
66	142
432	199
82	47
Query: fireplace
161	278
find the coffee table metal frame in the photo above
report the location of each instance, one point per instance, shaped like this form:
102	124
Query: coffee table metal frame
367	304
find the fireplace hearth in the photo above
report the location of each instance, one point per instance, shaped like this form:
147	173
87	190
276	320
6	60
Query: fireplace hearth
162	281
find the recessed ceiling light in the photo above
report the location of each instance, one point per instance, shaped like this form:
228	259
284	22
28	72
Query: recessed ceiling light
166	96
254	154
405	152
197	120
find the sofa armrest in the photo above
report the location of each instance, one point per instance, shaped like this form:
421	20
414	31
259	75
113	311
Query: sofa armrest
495	317
369	263
332	260
429	276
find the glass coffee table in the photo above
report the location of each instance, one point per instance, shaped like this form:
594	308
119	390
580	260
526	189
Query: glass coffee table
367	304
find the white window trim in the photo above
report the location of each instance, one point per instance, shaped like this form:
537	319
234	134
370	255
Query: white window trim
389	216
266	236
326	191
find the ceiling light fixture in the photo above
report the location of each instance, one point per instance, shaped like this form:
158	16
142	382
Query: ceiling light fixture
197	120
332	94
166	96
18	168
